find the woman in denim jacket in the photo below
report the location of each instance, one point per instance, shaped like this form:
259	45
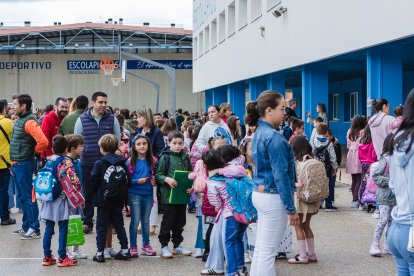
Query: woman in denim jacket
274	180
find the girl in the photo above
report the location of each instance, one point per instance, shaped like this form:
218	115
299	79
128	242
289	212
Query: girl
353	163
298	127
385	198
169	125
140	194
367	155
251	131
225	111
304	234
398	113
234	125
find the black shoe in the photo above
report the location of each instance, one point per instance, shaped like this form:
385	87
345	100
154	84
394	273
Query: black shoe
281	256
205	257
10	221
99	258
122	256
87	229
191	210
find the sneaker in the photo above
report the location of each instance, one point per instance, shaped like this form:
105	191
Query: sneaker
9	221
312	258
87	229
375	250
386	251
243	271
354	204
109	253
211	272
133	251
281	256
198	253
361	208
331	209
205	257
67	262
166	253
247	259
99	258
148	251
298	260
31	235
78	254
19	232
181	251
48	261
376	214
122	256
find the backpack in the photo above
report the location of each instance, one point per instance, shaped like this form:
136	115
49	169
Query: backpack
312	180
115	182
371	185
223	133
166	155
46	183
322	154
286	131
240	197
124	144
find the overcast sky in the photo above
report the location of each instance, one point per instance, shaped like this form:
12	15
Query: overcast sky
43	12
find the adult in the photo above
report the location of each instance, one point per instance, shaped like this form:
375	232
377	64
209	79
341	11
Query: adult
213	127
166	114
130	123
52	121
321	109
47	110
68	124
290	110
380	125
274	181
402	184
27	138
179	119
157	117
93	124
225	111
6	127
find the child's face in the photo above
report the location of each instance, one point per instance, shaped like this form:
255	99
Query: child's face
300	130
141	146
217	143
315	124
176	145
328	136
78	150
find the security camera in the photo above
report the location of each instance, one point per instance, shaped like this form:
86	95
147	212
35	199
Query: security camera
279	11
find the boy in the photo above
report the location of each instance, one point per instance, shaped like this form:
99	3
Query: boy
298	127
174	218
109	188
324	151
316	122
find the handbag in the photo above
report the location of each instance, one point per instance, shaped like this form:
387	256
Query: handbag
410	245
75	235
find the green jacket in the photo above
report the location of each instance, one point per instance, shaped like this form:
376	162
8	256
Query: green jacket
22	145
179	162
68	124
131	125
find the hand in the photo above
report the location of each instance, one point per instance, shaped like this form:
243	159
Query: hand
294	219
213	173
142	180
171	182
307	113
189	191
83	205
153	182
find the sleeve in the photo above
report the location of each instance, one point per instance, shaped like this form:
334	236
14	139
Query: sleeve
67	168
159	175
202	141
213	195
233	170
312	138
78	127
377	173
47	131
348	141
279	160
332	156
33	129
159	143
117	129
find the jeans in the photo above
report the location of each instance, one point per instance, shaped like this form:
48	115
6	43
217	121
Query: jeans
47	237
331	195
397	242
140	212
199	239
88	211
106	216
234	245
23	173
271	226
4	194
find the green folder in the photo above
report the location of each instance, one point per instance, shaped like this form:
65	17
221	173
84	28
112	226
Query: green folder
178	195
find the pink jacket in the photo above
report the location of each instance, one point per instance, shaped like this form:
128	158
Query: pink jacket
394	125
353	164
380	125
367	153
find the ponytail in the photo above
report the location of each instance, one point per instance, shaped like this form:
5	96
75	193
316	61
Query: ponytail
257	109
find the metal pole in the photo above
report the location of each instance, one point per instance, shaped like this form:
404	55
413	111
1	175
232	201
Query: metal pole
156	85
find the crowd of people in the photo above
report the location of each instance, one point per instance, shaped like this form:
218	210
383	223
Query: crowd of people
124	164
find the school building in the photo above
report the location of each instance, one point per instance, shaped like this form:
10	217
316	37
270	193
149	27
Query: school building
341	53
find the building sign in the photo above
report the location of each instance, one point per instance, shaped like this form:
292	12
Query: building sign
25	65
94	65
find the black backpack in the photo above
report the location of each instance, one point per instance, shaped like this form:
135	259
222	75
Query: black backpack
322	155
116	182
166	154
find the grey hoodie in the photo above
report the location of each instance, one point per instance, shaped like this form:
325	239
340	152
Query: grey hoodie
208	131
384	194
402	182
322	141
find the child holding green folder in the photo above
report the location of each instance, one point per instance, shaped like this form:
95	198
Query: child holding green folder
172	160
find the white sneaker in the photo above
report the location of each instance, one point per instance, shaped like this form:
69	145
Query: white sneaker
109	253
181	251
198	253
376	215
354	204
375	250
166	253
207	271
78	254
247	259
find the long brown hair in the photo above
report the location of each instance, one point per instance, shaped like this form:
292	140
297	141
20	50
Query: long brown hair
366	138
358	124
148	154
232	123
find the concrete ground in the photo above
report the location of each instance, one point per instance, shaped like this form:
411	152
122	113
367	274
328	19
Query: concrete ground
342	243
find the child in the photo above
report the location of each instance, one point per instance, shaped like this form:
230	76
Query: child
353	163
58	209
174	217
304	234
338	153
385	198
324	151
194	154
398	113
298	127
75	149
169	125
367	155
316	122
140	193
109	187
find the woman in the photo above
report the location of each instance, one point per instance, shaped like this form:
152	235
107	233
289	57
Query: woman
380	124
402	184
234	125
225	111
321	109
214	127
274	180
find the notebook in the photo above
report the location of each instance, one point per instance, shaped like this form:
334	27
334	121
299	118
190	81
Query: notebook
178	195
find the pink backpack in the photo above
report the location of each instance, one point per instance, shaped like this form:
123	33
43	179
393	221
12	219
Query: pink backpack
371	185
199	175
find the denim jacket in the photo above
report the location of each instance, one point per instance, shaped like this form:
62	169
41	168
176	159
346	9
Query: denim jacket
275	164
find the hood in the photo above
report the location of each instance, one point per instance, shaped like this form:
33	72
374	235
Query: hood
211	123
376	120
400	155
113	158
320	141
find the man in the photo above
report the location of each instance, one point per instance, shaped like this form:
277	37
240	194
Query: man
93	124
6	126
52	121
27	138
157	116
290	111
68	124
179	119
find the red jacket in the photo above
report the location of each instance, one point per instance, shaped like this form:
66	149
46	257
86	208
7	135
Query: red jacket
50	126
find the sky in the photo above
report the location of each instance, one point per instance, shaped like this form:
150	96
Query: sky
159	13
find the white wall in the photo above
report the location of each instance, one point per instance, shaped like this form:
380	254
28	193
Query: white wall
46	85
309	31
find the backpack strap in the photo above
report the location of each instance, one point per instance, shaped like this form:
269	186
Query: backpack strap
189	166
166	163
55	164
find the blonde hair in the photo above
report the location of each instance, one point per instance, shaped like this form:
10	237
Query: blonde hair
109	143
149	117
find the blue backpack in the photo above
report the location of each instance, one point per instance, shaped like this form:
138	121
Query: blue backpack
46	184
240	196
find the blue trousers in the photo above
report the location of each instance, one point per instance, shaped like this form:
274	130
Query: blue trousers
397	243
140	212
234	245
47	238
4	194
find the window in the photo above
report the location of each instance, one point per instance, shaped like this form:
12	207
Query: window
195	48
214	33
272	3
353	105
335	107
222	26
256	9
200	44
231	19
206	39
242	13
